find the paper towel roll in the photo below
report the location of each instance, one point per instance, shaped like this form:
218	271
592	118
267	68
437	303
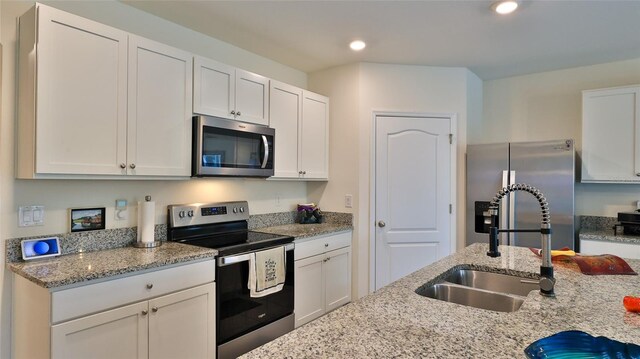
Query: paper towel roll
146	221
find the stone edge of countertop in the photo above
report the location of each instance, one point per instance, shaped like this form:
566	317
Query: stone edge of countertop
606	235
301	231
70	269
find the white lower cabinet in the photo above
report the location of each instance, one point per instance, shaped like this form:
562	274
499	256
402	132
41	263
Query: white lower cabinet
116	333
171	318
322	275
620	249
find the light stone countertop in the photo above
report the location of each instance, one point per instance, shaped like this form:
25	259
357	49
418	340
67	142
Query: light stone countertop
395	322
81	267
299	231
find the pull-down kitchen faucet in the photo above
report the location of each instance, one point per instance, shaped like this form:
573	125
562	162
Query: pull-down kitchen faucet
546	269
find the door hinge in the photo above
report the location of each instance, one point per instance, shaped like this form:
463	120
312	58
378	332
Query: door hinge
450	208
451	138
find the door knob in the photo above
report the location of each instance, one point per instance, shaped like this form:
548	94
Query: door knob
381	224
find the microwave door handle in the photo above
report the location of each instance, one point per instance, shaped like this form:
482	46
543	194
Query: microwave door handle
265	143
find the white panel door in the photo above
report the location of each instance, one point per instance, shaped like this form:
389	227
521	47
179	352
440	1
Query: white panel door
214	88
413	194
285	109
81	95
314	137
159	118
118	333
182	325
252	98
309	289
337	276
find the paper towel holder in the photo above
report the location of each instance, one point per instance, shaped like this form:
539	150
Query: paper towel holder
139	243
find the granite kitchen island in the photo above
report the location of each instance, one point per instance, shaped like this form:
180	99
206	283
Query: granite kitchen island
396	322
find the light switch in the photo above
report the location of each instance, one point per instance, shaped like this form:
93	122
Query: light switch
30	216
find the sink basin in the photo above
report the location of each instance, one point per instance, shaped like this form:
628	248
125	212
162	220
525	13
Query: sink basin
496	282
477	298
485	290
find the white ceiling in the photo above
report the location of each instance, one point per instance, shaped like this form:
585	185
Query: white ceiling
313	35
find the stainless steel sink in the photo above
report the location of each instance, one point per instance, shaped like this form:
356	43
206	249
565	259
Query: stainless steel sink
477	298
496	282
478	289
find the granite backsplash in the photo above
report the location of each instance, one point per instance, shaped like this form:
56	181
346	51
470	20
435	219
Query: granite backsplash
90	241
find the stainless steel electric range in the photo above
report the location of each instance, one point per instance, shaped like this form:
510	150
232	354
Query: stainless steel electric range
242	322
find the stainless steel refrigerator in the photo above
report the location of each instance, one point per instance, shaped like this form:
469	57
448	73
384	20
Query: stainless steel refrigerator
548	166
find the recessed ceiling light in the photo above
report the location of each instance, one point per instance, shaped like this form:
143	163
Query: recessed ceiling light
504	7
357	45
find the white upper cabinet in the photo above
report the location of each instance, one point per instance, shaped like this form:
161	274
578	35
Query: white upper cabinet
286	111
611	135
224	91
301	121
76	106
314	137
159	121
96	101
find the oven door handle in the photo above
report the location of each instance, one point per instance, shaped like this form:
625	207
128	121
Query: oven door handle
225	261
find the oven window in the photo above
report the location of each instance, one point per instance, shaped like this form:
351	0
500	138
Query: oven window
231	149
237	312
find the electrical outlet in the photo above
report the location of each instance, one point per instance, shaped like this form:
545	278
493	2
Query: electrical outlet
29	216
348	201
121	210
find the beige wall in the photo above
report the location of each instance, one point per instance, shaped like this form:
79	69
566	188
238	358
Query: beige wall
378	87
59	195
548	105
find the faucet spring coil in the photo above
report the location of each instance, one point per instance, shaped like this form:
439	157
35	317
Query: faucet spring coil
544	205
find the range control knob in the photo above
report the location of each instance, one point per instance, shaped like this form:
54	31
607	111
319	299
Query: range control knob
190	213
181	214
235	209
241	209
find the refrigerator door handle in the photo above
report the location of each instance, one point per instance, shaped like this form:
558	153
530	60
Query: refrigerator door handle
512	208
504	219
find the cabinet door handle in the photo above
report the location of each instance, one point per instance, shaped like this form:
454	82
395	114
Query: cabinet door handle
122	165
149	285
638	174
238	113
299	172
154	309
145	312
133	165
304	172
233	112
326	245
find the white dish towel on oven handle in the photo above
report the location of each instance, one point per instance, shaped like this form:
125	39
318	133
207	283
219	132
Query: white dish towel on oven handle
267	272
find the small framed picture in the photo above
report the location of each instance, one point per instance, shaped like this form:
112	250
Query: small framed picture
87	219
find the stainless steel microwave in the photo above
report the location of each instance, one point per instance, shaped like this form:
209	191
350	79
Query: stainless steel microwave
224	147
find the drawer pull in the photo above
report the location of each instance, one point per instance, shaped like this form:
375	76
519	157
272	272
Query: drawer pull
326	245
154	309
145	312
149	285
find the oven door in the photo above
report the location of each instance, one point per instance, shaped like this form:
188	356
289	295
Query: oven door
238	313
230	148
